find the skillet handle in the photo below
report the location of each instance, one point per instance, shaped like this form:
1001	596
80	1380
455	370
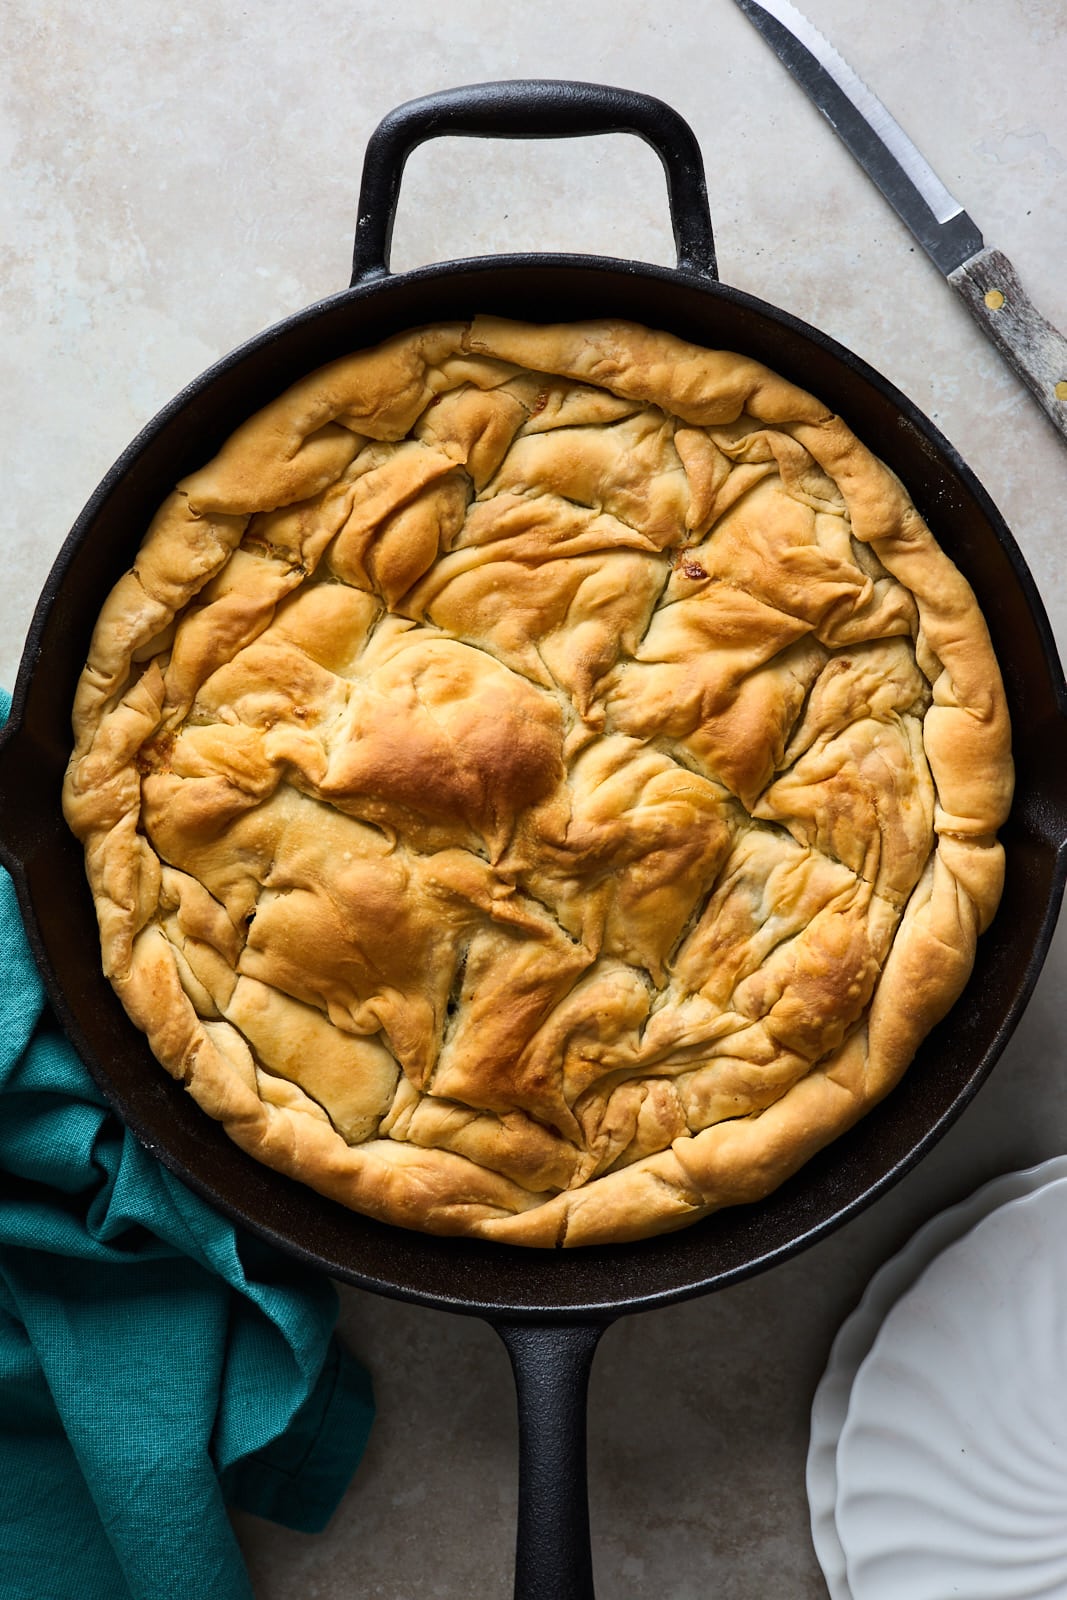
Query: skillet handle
535	108
553	1559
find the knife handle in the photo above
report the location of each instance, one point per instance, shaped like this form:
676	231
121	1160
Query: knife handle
1032	347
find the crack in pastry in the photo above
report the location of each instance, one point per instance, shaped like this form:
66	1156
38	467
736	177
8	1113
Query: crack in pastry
540	782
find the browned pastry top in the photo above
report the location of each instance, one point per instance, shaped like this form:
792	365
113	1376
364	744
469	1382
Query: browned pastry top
540	782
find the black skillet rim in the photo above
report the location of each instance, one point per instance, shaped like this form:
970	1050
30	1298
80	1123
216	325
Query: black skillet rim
471	1276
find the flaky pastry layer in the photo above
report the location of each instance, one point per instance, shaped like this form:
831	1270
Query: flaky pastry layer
540	782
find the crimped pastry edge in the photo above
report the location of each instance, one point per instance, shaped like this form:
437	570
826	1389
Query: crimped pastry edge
966	734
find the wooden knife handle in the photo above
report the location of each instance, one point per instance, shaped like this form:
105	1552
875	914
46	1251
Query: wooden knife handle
1032	347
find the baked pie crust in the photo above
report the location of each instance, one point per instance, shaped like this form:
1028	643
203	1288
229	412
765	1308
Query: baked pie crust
540	782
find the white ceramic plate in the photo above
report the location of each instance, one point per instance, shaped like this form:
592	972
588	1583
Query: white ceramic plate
856	1338
952	1462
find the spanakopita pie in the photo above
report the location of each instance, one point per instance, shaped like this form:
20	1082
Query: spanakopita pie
540	782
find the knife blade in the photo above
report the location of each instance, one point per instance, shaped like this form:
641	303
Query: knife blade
983	277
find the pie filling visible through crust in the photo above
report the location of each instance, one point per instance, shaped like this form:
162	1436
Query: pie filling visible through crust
540	782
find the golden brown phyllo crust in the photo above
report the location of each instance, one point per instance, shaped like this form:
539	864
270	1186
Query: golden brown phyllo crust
540	782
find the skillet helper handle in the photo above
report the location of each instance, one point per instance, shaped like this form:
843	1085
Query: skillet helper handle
553	1558
1032	347
532	108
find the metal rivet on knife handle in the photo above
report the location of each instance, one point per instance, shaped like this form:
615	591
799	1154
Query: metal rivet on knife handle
1033	348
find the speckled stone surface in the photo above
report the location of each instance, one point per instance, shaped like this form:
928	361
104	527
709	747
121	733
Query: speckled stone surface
176	179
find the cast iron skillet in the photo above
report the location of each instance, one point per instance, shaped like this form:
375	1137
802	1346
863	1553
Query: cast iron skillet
549	1308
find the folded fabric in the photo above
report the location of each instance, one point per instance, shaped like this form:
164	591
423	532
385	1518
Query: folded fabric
156	1364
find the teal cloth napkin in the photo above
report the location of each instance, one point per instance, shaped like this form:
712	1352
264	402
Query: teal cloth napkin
156	1365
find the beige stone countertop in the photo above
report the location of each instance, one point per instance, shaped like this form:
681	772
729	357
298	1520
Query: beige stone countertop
178	178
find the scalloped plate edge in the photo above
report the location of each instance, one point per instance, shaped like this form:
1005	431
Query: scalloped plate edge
857	1335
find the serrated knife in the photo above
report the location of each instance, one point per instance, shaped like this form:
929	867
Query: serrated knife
983	277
